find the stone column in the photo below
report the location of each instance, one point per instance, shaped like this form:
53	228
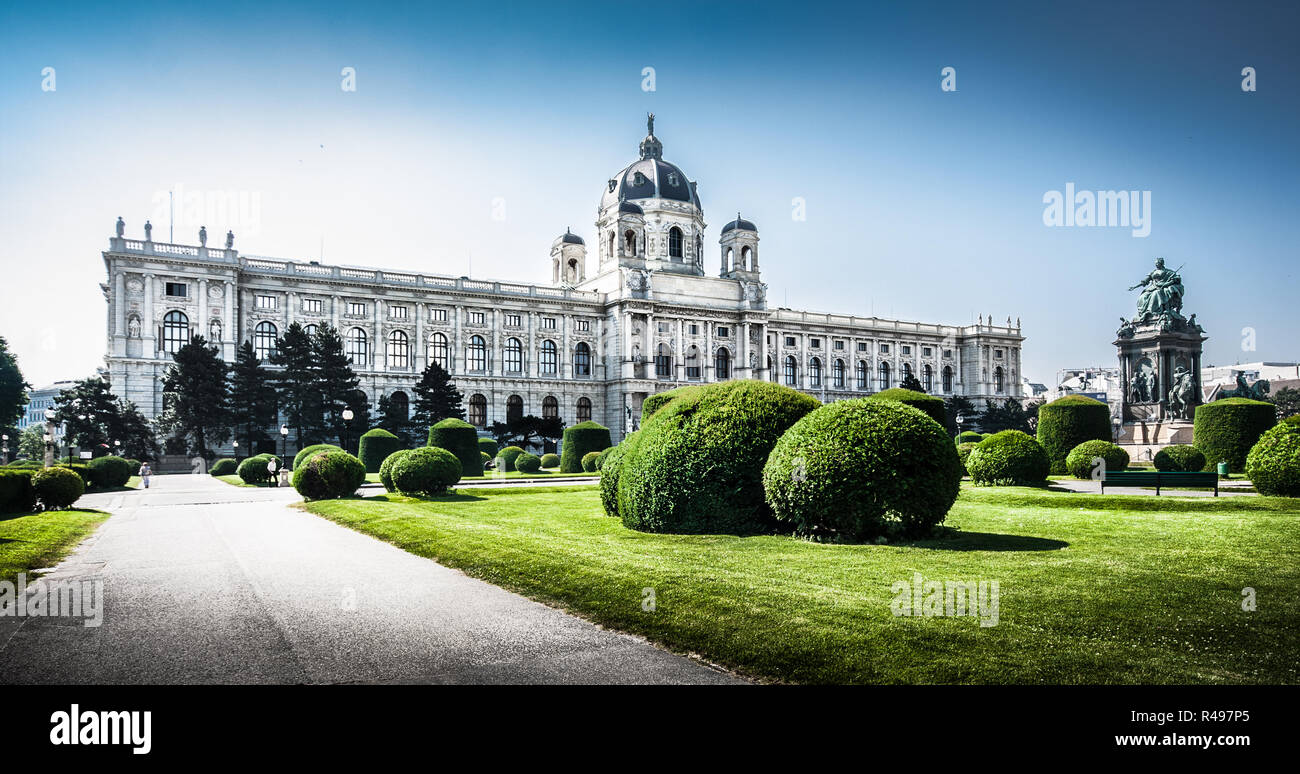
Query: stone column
706	368
290	308
379	353
457	345
229	326
119	312
679	362
566	354
421	359
203	308
149	326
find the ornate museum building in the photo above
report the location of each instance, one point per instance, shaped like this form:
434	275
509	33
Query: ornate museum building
640	316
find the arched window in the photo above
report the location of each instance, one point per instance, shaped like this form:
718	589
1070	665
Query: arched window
357	350
663	361
582	359
999	383
791	370
399	350
550	407
264	337
476	354
815	373
927	378
747	258
514	408
722	364
862	374
675	243
884	376
838	375
477	410
547	358
692	362
176	331
629	242
311	330
947	378
611	243
439	352
584	409
731	259
514	356
399	406
907	372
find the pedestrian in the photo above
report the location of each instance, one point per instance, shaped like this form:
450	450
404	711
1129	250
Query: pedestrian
145	473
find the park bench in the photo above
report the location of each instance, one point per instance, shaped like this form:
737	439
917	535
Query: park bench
1160	478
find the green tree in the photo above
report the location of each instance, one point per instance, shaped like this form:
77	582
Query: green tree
436	397
522	431
31	444
910	382
1287	401
960	405
252	398
89	411
394	420
133	430
1008	415
338	386
196	398
298	386
13	389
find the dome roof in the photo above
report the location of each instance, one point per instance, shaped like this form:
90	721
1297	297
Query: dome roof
570	238
650	177
739	223
629	207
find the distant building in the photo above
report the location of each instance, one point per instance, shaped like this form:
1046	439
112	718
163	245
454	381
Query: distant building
1216	379
1033	390
37	401
1102	383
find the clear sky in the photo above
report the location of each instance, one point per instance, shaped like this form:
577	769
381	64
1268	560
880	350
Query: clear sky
920	204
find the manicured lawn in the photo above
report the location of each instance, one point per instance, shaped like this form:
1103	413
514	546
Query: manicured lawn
374	477
37	540
1093	589
235	480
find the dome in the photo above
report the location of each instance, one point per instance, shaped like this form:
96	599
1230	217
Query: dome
650	177
739	223
570	238
629	207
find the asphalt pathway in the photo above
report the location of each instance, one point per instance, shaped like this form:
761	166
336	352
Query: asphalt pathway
204	582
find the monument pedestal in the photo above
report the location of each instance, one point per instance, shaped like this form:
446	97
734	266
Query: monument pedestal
1142	439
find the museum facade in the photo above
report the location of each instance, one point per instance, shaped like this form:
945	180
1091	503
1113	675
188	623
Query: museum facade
640	316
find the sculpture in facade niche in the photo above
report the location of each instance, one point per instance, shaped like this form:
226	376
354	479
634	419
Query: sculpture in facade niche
133	327
214	331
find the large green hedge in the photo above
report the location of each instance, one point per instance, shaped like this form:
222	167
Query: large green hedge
461	439
488	446
1008	458
16	492
1069	421
375	447
1273	464
57	487
929	404
609	474
862	469
580	440
963	452
329	474
1226	429
653	403
1079	462
969	436
226	466
253	469
425	471
109	472
386	469
697	464
1180	458
311	451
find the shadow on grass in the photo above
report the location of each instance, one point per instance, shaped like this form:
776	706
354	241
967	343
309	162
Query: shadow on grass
451	497
948	539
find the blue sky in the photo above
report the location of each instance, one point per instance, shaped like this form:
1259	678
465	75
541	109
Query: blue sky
920	204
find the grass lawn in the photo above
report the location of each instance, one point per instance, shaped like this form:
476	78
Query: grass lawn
37	540
373	478
1093	589
235	480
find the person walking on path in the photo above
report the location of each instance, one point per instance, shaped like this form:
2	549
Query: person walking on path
145	473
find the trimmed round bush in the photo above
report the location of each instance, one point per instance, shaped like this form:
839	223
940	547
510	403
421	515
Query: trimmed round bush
375	446
528	463
425	471
861	469
930	405
226	466
253	469
609	474
1273	464
1080	459
25	464
969	436
487	461
110	472
386	469
488	446
653	403
600	461
579	441
506	458
1226	429
57	487
589	461
80	470
461	439
1069	421
16	492
1180	458
311	451
963	452
1008	458
697	463
550	460
329	475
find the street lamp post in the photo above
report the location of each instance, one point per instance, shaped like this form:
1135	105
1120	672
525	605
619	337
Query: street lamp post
5	447
961	420
347	421
236	448
284	440
49	437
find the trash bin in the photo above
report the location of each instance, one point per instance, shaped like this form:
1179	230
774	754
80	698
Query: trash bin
1223	470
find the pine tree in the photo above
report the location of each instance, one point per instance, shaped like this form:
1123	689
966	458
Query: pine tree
196	398
13	389
338	385
436	398
910	382
252	398
297	385
89	411
134	431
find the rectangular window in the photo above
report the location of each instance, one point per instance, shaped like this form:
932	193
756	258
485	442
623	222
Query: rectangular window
398	312
695	329
477	318
264	302
548	323
884	349
583	325
907	350
997	354
947	353
815	343
177	289
311	305
665	327
356	308
839	345
439	315
926	352
789	341
513	321
663	365
723	332
862	346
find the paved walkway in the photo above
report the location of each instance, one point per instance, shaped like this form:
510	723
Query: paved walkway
1227	488
209	583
